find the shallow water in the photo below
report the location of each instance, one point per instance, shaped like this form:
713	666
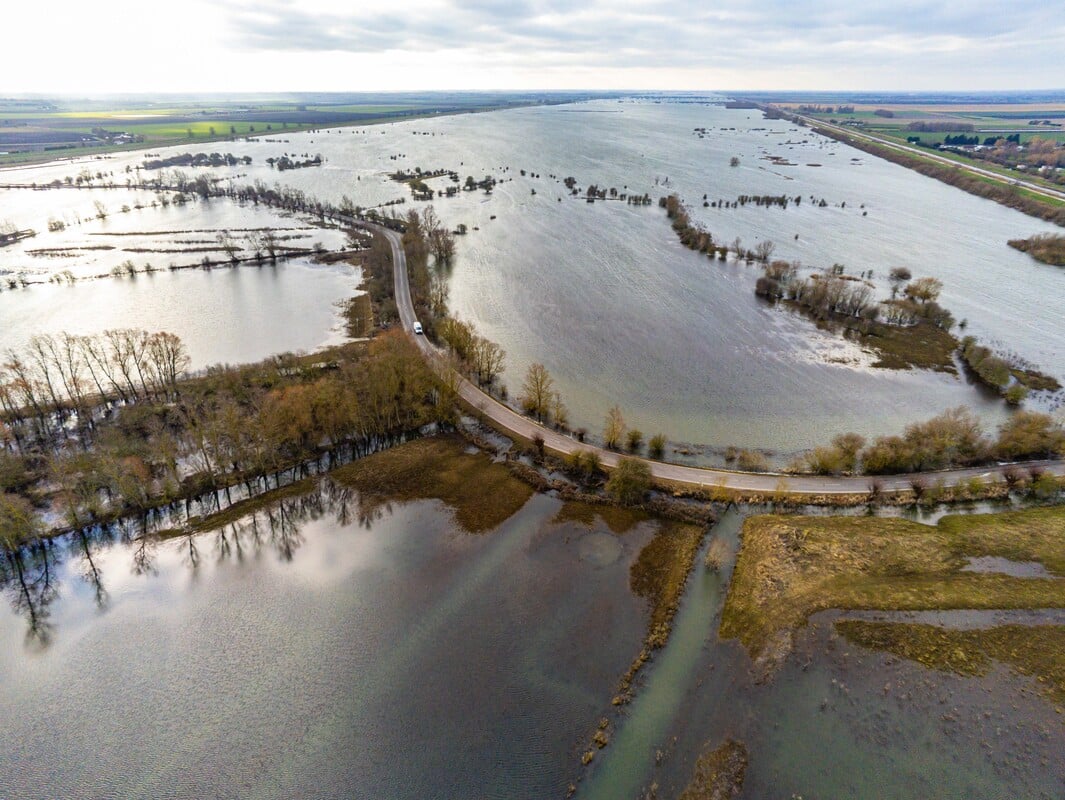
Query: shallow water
836	721
605	296
315	650
225	315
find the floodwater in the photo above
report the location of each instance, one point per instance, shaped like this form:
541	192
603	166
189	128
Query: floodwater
620	312
319	648
327	647
836	721
227	314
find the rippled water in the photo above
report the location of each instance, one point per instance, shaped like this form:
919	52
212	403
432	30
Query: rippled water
319	650
224	315
836	721
619	312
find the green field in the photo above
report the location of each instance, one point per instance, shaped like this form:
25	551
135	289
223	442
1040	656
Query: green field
40	130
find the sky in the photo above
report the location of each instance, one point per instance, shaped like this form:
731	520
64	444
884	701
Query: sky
59	46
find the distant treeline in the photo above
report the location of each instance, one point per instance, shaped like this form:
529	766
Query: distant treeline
939	127
198	160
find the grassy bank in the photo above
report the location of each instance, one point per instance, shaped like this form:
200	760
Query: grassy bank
718	773
791	567
1036	651
483	494
658	575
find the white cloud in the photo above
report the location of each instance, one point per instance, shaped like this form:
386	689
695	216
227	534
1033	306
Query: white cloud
284	45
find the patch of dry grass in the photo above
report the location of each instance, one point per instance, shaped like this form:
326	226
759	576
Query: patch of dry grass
1036	651
482	493
791	567
719	773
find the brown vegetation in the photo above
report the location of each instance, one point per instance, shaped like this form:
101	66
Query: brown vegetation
484	494
1046	247
658	575
791	567
176	438
719	773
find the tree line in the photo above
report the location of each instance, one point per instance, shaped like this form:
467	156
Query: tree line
954	438
152	444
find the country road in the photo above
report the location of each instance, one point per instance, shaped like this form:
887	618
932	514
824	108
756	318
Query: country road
924	152
685	476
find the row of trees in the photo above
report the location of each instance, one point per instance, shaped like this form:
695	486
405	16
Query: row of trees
954	438
482	358
231	425
825	295
66	374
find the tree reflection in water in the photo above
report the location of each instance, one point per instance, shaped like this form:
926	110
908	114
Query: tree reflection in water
29	576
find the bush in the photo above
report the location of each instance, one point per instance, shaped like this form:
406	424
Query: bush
953	437
634	440
1044	486
656	448
630	481
751	461
1016	394
1029	434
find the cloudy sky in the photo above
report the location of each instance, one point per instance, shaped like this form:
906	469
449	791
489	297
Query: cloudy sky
355	45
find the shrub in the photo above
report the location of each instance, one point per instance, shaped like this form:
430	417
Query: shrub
1029	434
657	446
751	461
1016	394
953	437
630	481
1044	486
590	464
634	440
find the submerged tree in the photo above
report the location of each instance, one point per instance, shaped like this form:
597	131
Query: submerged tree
614	428
536	391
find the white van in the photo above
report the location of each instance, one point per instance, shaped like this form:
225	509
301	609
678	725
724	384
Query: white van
418	328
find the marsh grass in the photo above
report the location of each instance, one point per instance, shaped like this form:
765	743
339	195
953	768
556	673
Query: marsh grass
1036	651
791	567
658	575
483	494
719	773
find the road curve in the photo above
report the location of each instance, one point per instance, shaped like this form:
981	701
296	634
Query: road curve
684	476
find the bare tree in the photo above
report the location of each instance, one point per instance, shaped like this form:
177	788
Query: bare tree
614	429
536	391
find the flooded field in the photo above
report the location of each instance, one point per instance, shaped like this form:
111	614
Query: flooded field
617	309
226	314
329	644
837	720
339	644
